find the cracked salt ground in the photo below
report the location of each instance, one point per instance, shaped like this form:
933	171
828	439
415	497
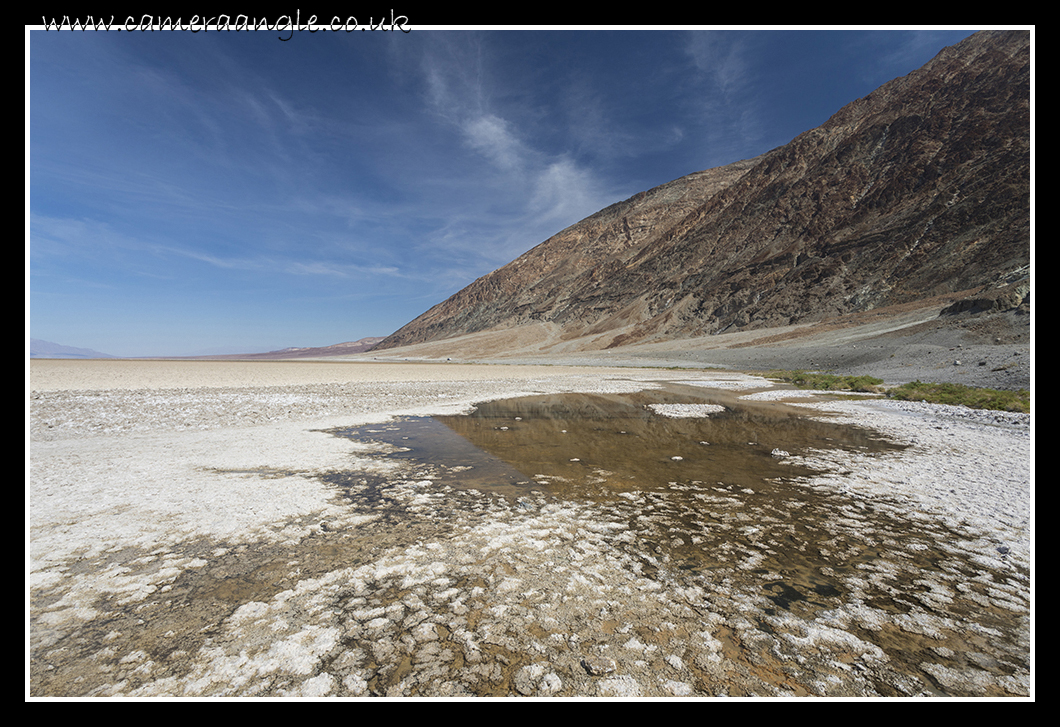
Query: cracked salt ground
729	572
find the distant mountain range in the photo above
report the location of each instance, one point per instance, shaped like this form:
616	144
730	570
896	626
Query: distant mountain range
338	349
47	349
921	188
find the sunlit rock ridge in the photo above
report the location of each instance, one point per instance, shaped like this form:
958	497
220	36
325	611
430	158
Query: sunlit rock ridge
919	189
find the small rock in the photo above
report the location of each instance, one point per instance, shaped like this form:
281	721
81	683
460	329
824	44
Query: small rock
525	680
675	661
595	666
425	632
550	684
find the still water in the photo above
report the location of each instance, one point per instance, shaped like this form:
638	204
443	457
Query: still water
595	446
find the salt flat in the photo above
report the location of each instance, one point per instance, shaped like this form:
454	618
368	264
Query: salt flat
197	529
57	374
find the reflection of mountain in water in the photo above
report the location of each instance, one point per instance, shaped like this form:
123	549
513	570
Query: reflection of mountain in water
447	457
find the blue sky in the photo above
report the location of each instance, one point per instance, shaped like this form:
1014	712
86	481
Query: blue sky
199	193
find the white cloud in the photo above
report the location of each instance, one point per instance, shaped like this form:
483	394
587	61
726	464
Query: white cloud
565	193
534	190
341	270
491	136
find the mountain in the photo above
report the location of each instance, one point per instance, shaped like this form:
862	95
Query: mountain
336	349
921	188
46	349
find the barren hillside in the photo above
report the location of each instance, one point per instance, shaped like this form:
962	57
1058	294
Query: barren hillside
920	189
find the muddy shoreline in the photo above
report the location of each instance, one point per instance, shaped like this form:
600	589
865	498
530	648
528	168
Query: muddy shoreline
214	539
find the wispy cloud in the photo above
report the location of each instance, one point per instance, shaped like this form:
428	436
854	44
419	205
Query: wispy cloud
719	56
726	100
563	190
492	137
340	270
546	188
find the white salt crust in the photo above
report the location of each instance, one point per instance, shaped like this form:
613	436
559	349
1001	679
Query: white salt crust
686	410
127	472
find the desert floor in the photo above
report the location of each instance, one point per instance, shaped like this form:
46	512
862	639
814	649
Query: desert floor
206	529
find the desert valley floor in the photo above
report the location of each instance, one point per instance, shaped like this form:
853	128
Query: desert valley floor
258	529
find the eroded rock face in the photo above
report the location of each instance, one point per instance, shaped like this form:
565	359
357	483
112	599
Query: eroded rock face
919	189
1014	296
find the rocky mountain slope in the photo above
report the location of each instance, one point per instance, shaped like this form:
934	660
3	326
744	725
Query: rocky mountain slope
919	189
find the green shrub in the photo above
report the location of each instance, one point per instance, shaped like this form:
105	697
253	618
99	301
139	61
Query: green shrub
827	382
960	394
